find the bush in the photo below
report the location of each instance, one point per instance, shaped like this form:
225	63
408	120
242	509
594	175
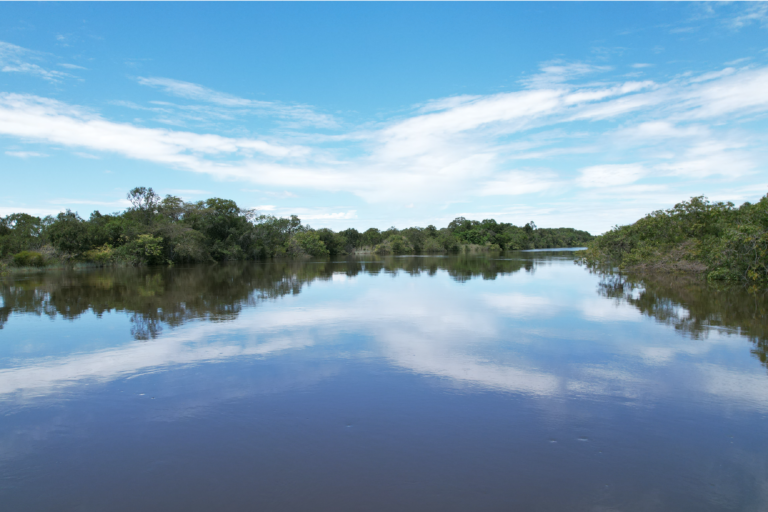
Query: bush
395	244
28	259
101	255
306	242
189	246
144	250
432	245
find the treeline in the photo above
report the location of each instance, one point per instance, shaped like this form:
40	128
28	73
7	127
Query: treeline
716	239
156	230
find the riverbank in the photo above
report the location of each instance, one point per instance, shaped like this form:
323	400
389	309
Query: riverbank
716	240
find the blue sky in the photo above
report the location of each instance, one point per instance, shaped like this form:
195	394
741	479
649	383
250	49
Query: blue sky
377	114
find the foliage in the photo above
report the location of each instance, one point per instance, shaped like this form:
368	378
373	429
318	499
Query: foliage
144	249
19	232
511	237
717	239
395	244
155	230
69	233
28	259
101	255
335	243
307	242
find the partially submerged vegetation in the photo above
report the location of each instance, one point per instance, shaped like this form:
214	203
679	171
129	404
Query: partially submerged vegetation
718	240
157	231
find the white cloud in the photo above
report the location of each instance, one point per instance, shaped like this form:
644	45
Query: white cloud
735	13
87	156
301	114
753	12
15	59
196	92
120	203
738	93
71	66
516	183
282	195
42	119
452	148
25	154
610	175
188	192
349	214
37	212
558	72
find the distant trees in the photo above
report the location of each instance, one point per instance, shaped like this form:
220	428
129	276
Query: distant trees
159	230
20	231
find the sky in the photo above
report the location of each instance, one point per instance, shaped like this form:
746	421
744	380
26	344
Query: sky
584	115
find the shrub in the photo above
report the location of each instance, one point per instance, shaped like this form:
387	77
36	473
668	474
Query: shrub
395	244
101	255
144	250
306	242
432	245
189	246
28	259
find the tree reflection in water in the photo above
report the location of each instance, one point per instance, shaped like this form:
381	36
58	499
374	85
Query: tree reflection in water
162	296
167	297
695	307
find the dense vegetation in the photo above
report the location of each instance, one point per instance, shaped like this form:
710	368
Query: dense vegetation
717	239
156	230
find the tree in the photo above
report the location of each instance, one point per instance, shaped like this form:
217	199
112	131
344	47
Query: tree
145	202
20	231
69	233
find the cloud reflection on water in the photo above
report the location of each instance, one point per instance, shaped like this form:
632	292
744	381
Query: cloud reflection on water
469	338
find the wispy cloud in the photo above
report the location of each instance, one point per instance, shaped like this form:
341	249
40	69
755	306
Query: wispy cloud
558	72
25	154
119	203
55	122
192	91
307	214
15	59
297	114
71	66
610	175
188	192
733	15
642	138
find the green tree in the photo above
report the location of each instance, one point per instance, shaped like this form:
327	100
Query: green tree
69	233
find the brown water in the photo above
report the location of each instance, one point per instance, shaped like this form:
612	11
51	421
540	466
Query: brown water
415	383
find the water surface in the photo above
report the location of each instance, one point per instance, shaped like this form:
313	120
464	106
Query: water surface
417	383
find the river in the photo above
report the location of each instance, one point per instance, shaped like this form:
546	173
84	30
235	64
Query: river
516	382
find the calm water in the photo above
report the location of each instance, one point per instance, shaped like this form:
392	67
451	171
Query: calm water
401	384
